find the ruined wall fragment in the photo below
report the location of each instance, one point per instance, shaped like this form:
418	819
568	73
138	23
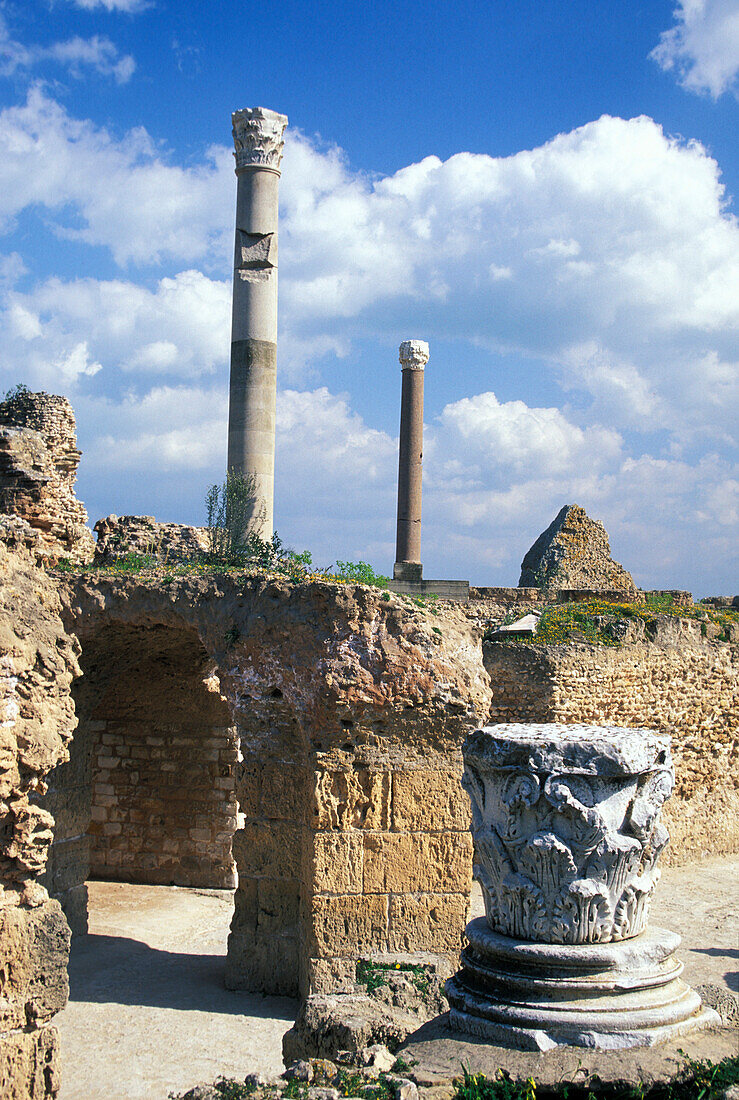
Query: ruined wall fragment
38	467
38	660
350	706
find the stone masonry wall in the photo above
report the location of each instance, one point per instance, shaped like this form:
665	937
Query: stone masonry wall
37	662
679	685
351	706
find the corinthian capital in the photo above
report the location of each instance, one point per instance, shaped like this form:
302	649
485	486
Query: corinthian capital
258	137
414	354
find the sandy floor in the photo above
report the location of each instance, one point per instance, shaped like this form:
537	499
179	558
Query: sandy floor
148	1012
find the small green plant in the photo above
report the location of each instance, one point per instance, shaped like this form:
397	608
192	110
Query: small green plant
18	390
402	1066
349	1084
232	636
295	1090
696	1080
133	562
602	622
373	974
232	510
476	1086
227	1089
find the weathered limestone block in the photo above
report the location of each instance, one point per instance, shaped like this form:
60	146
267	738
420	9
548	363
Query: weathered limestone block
413	809
350	799
416	863
574	553
38	467
566	827
567	837
29	1065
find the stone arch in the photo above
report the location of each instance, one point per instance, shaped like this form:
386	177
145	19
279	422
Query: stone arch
148	794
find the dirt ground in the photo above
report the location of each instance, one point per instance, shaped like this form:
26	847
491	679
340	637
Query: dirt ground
148	1013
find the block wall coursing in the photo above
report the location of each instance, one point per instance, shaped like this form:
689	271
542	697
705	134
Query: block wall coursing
387	868
163	807
690	691
148	792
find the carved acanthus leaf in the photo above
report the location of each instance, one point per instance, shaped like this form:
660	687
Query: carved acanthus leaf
258	137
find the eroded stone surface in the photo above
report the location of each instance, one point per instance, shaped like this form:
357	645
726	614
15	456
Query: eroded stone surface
37	662
337	692
574	553
38	467
168	542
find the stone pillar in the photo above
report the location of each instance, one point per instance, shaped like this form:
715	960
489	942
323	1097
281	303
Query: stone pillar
258	138
566	829
414	355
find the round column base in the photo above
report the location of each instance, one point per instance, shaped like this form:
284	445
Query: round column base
610	996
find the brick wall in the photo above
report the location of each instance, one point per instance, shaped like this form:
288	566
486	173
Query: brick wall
687	689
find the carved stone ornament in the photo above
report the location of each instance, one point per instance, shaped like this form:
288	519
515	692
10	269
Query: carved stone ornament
258	137
414	354
565	821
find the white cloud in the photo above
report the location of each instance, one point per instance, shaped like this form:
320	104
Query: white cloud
607	252
703	47
76	54
126	195
97	52
179	328
513	437
130	7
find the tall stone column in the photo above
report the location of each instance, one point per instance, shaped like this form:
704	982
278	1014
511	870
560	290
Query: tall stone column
258	138
414	355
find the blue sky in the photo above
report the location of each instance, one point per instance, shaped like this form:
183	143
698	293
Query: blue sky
543	191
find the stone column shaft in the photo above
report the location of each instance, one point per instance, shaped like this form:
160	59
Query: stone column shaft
253	389
414	355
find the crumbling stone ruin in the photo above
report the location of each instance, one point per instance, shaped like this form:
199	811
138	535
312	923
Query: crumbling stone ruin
303	737
118	536
38	661
38	467
574	553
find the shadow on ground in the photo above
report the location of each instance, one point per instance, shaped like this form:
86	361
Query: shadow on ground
133	973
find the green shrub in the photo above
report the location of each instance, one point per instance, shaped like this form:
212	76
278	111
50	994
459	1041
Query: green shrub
233	509
361	572
696	1080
